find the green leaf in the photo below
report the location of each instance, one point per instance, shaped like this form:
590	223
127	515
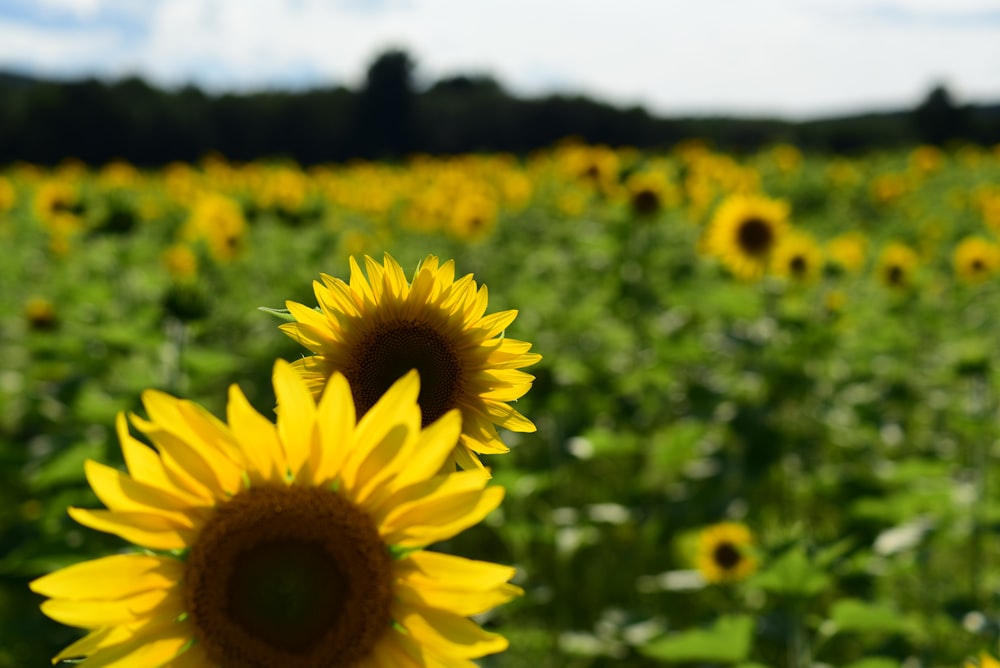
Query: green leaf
726	641
66	466
794	574
851	614
279	313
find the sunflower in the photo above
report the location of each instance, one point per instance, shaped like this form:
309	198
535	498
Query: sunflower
798	258
847	251
373	331
985	661
289	544
649	192
724	552
897	265
744	231
975	259
219	221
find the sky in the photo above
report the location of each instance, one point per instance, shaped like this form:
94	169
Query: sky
788	58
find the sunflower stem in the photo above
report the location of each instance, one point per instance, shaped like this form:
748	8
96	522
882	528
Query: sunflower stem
176	334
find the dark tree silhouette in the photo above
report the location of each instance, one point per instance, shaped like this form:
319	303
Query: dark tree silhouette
938	119
384	119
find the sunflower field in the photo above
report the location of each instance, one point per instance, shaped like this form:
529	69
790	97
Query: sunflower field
747	412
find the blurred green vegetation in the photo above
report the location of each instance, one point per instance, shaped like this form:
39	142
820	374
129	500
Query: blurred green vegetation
851	425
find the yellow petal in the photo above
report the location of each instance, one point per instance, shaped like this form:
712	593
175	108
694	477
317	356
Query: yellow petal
397	408
296	417
150	650
193	657
474	588
257	435
359	285
375	274
496	323
467	460
394	280
314	371
390	653
507	417
448	634
439	516
120	493
313	320
145	465
426	453
335	424
111	577
153	531
92	614
204	470
107	636
335	298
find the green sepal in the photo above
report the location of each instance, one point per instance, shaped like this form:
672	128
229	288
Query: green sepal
279	313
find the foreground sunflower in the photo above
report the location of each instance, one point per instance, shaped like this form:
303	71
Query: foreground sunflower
374	330
725	552
288	544
745	231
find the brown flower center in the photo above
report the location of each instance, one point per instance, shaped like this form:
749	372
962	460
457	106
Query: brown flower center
390	350
726	556
288	576
755	236
798	266
895	275
645	202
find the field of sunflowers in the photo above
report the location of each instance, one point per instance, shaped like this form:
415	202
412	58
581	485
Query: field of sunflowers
746	412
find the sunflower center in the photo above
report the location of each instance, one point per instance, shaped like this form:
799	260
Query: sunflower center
645	202
755	236
978	266
895	275
288	576
798	266
726	556
390	351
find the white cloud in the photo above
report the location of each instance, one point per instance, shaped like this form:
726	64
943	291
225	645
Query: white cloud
796	57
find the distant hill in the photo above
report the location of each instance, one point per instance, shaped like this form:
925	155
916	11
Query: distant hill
46	121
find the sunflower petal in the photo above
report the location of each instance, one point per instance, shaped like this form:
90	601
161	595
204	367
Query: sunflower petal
448	634
258	437
111	577
459	585
153	531
396	408
296	417
149	650
120	493
96	613
440	514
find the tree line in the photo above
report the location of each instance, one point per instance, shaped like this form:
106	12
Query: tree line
388	118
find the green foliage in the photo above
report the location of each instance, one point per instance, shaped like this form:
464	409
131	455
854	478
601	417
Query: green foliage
850	426
728	640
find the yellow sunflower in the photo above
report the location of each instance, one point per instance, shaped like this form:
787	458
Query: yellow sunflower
897	265
848	251
745	231
374	330
289	544
725	552
985	661
650	192
975	259
798	258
